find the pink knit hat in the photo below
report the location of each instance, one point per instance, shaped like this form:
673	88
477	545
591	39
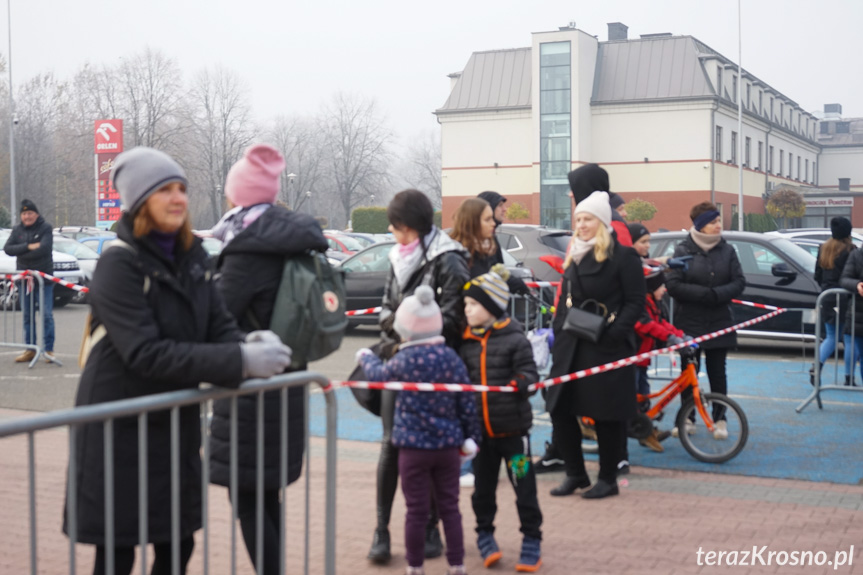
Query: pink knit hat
255	178
418	316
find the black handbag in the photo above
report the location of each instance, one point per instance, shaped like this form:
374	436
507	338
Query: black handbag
587	321
370	399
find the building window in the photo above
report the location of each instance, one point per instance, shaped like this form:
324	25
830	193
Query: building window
747	161
782	113
844	184
760	155
719	80
781	162
770	161
555	155
771	108
843	127
825	128
798	167
718	144
760	102
814	174
806	178
734	89
733	148
790	165
748	86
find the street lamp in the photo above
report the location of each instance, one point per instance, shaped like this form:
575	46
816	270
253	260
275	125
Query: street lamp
309	200
372	198
291	177
11	114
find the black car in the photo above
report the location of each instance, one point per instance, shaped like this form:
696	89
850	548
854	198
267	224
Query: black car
778	272
366	273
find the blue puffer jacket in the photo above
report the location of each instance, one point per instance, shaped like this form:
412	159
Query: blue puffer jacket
428	419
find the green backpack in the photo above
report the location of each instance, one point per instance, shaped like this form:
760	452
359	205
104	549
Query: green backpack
309	312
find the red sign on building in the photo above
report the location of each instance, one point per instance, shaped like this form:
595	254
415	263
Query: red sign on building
109	136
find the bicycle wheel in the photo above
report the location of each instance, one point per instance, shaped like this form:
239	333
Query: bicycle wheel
701	444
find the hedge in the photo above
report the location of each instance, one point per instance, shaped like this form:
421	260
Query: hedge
374	220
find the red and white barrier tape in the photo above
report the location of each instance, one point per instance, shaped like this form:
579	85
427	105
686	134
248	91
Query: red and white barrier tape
610	366
757	305
364	311
541	284
62	282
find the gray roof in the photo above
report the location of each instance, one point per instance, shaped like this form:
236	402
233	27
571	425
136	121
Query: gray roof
852	138
494	80
651	69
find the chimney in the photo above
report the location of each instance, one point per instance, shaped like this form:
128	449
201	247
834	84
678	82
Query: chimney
453	79
832	110
617	31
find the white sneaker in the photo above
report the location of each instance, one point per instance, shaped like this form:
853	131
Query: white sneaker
689	426
721	430
466	480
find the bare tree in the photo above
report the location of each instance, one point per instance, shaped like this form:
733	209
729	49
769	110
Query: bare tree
356	140
422	169
300	141
222	128
151	96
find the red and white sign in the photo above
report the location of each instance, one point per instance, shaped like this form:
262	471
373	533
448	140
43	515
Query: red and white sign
108	136
829	202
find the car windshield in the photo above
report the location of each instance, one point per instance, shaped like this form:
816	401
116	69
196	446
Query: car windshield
800	256
364	242
74	248
373	259
350	243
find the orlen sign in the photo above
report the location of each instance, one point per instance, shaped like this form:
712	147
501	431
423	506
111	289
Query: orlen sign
109	136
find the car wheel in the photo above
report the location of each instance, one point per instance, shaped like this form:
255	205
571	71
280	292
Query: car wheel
62	301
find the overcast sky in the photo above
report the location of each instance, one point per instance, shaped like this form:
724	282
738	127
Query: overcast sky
292	55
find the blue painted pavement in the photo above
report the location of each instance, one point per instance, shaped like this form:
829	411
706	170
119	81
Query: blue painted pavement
815	445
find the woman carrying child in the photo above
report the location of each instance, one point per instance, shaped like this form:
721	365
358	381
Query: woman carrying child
430	429
497	353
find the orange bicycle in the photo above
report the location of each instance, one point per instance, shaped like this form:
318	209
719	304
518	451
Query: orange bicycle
710	408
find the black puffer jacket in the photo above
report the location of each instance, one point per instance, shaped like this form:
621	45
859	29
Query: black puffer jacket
41	258
167	329
496	356
829	279
251	270
852	274
444	268
703	292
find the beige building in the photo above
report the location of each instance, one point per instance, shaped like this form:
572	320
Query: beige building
658	112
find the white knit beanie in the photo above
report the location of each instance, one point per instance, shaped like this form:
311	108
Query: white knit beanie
418	316
596	204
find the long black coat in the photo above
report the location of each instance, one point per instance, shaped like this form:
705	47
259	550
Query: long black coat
852	274
251	269
172	337
703	292
496	356
829	279
41	258
618	282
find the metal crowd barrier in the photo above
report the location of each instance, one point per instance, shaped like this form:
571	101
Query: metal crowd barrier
12	295
817	388
107	413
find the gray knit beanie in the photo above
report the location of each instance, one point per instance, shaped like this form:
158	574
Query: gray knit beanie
140	172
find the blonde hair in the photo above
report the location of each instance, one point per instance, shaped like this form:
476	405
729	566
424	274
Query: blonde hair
601	249
143	224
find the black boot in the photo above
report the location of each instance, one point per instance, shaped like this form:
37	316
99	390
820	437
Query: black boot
380	551
433	544
601	489
570	484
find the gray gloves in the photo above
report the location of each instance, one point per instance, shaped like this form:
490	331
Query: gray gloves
264	357
674	340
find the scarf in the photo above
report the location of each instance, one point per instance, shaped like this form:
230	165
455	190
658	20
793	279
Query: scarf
165	242
406	259
704	241
579	248
237	220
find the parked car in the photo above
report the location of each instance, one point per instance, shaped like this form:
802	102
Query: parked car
820	235
527	243
343	243
810	246
98	243
66	267
81	232
366	272
365	240
87	260
778	272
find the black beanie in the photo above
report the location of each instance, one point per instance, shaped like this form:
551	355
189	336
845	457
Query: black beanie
637	231
654	281
840	228
28	206
493	198
587	179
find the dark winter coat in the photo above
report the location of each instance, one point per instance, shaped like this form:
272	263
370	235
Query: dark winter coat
829	279
427	419
445	270
618	282
497	356
251	270
480	264
703	291
40	259
852	274
167	329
